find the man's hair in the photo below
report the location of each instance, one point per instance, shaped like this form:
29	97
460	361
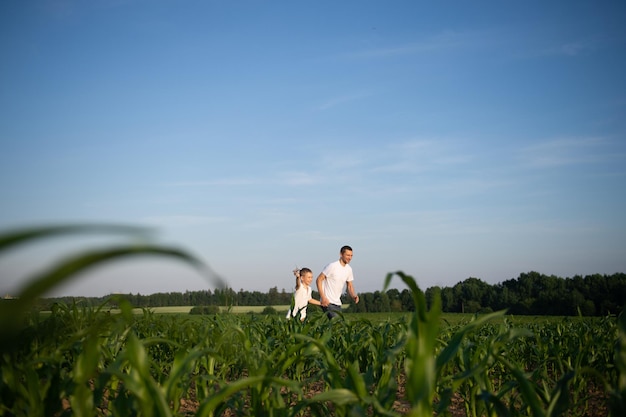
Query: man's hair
345	248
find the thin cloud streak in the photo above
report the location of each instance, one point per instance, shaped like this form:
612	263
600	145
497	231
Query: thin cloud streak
182	220
562	152
442	41
294	178
418	156
216	182
300	178
566	49
340	100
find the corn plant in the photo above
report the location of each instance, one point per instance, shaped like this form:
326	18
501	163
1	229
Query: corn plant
87	361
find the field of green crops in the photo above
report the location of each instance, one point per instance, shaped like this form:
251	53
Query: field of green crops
187	309
90	362
76	361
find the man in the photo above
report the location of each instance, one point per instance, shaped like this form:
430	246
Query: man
331	280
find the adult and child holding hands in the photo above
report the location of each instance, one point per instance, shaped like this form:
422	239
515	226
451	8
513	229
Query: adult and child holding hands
330	283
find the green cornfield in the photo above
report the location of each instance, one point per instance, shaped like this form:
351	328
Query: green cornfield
77	361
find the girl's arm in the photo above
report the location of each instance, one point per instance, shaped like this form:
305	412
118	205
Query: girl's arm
314	301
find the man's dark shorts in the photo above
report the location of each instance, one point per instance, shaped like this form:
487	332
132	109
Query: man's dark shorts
331	310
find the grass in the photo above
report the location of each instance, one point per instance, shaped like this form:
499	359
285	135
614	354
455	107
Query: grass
233	309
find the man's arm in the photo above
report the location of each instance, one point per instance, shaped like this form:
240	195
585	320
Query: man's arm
352	293
320	289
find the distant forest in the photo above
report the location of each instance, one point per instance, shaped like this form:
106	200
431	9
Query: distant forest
531	293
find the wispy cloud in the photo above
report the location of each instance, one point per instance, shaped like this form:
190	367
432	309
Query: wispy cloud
568	151
343	99
340	161
300	178
419	155
182	220
467	185
569	48
441	41
289	178
215	182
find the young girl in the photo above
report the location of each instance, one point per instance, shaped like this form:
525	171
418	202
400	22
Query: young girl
302	298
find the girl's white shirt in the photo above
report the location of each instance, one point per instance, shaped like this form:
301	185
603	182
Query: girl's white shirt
301	300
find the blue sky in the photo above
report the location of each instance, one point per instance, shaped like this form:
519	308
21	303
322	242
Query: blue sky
445	139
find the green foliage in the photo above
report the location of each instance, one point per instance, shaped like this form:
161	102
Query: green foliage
269	310
41	283
83	360
210	310
530	294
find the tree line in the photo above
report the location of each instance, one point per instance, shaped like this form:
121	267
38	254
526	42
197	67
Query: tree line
531	293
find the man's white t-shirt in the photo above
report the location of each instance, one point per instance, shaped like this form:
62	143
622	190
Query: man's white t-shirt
336	276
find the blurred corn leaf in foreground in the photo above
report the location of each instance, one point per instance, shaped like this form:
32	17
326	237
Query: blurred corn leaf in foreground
60	273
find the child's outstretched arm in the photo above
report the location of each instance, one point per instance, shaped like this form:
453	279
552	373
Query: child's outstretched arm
314	302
